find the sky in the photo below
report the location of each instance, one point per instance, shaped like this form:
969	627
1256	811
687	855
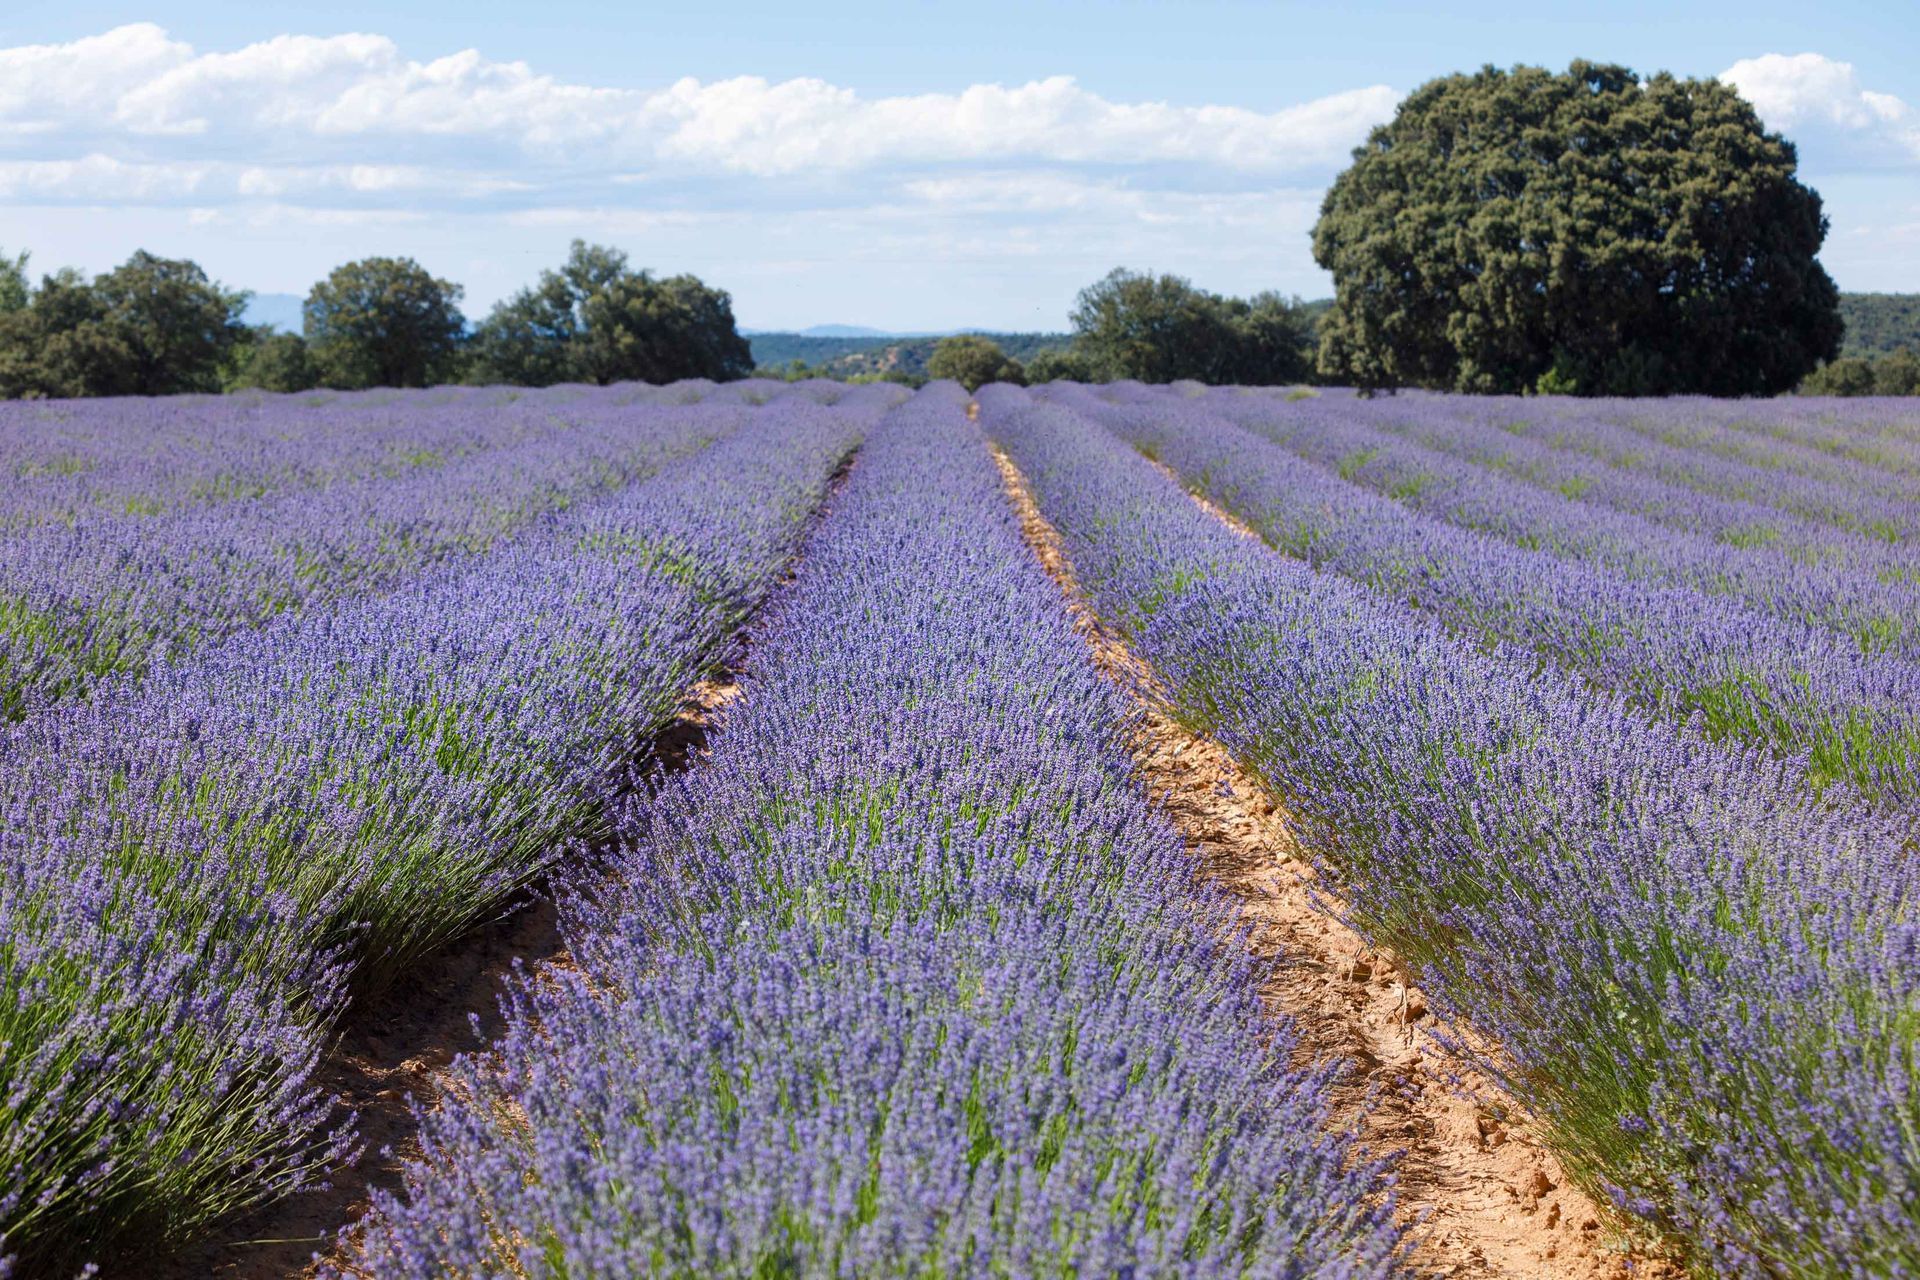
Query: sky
910	166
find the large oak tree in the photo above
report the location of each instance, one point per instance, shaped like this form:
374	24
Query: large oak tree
1588	231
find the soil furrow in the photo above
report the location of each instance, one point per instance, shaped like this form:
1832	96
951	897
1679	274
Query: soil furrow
1481	1193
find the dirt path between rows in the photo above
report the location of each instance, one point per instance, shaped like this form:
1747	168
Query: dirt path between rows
1481	1194
396	1049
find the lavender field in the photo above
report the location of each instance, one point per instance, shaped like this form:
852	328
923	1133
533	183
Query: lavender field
1596	724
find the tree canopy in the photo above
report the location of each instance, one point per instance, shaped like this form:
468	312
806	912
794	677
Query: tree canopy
1587	231
1895	374
973	362
1161	328
597	320
15	292
1058	364
152	326
272	361
384	322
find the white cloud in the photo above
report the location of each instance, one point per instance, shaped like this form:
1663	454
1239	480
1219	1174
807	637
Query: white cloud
1821	104
97	177
357	99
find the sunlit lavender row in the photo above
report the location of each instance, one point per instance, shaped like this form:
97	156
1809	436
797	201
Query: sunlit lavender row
1701	975
197	867
108	594
1443	459
1691	444
905	980
67	461
1748	676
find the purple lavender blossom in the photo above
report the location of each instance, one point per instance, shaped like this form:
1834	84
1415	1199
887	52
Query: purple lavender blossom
906	979
1747	676
1703	976
193	865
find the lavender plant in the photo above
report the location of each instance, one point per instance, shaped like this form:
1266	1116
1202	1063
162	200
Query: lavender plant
70	461
1702	976
1854	498
109	595
197	864
1748	677
1490	434
905	980
1587	511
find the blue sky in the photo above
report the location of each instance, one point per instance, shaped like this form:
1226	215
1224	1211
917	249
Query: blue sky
909	165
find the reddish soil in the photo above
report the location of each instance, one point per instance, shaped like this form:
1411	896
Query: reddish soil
1480	1193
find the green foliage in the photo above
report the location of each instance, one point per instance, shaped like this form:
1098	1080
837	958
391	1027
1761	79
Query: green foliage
596	320
973	362
176	323
152	326
272	361
1896	374
384	322
15	292
1055	364
1612	235
1161	328
849	357
800	371
1879	324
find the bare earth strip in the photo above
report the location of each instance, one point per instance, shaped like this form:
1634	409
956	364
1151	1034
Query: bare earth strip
1483	1195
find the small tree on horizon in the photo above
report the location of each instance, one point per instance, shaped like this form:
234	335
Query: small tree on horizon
1163	328
384	322
973	362
597	320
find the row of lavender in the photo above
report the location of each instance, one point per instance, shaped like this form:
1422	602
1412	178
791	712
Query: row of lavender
1702	976
1747	675
108	594
67	461
1735	506
907	979
1443	458
196	868
1881	436
1730	450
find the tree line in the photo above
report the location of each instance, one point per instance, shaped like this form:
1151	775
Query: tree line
161	326
1151	328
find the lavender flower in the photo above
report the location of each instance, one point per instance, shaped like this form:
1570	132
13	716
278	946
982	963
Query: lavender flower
906	979
1702	975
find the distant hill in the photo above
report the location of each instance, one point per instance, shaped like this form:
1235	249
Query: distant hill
848	331
281	310
847	356
1880	323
